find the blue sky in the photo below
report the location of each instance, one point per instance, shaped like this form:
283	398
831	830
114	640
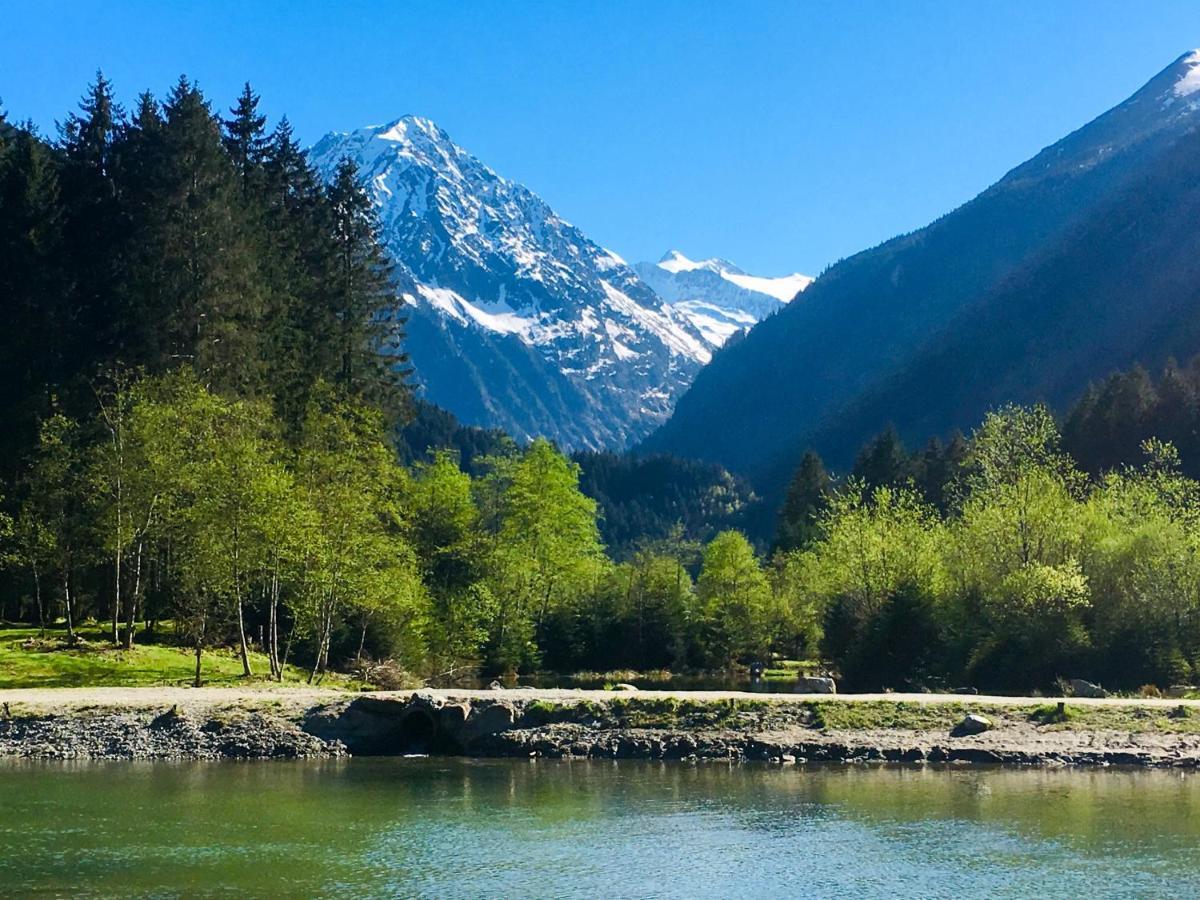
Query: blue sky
780	135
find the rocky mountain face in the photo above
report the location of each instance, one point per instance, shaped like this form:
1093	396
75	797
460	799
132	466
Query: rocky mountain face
1080	260
717	297
516	320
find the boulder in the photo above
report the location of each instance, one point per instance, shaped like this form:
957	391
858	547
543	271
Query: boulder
498	716
1178	691
624	687
813	684
1081	688
972	723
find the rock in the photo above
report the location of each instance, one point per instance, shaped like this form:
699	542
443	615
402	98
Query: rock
813	684
964	690
453	716
495	686
624	687
1086	689
972	723
1176	691
498	716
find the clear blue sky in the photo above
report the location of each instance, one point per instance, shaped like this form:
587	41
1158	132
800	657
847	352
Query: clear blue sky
780	135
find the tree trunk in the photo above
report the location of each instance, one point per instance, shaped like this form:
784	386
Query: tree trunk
242	636
200	646
116	610
362	639
131	614
287	652
273	628
66	581
37	592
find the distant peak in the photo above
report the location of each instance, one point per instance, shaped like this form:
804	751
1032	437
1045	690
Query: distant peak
401	130
673	261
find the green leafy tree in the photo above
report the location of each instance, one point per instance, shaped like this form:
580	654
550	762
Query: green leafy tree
53	526
444	528
546	547
739	610
359	560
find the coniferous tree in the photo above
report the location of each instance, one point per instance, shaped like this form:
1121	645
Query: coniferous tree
206	272
299	254
883	462
36	320
807	498
364	307
246	140
95	226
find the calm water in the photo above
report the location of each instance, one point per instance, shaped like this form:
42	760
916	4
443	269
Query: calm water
454	828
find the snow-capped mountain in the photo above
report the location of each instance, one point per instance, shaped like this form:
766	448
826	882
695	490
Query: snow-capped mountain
516	319
716	296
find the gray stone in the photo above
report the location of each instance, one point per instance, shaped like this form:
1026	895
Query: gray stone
813	684
972	723
1086	689
498	716
624	687
1176	691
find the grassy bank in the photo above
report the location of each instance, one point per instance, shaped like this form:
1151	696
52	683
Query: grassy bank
29	661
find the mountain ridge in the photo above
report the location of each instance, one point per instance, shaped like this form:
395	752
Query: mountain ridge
784	386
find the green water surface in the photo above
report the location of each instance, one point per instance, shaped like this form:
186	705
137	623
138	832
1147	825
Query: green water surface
461	828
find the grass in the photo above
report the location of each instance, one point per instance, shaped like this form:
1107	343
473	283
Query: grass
789	669
1134	719
884	714
28	662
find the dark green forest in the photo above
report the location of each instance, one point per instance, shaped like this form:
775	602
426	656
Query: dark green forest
210	438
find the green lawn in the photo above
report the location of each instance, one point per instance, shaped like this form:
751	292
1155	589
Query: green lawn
27	662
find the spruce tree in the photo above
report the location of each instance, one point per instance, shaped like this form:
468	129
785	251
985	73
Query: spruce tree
246	140
36	321
883	462
95	226
203	254
364	306
807	498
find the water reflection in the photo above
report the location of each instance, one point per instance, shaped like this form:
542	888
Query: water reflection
449	827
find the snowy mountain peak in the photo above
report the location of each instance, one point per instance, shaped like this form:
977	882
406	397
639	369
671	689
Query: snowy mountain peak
517	319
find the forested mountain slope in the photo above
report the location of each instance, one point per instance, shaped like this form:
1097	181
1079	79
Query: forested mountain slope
835	369
1121	288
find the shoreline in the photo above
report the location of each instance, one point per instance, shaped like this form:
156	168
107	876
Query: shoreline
244	723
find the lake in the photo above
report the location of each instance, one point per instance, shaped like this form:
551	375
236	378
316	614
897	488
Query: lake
464	828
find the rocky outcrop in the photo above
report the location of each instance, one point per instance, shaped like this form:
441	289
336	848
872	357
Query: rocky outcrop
168	734
607	725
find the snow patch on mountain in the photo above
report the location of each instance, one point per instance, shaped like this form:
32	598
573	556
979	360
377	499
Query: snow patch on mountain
1189	81
715	296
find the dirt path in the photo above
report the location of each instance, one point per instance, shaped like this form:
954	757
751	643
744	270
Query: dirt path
47	699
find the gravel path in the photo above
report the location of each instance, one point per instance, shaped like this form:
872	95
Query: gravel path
47	699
